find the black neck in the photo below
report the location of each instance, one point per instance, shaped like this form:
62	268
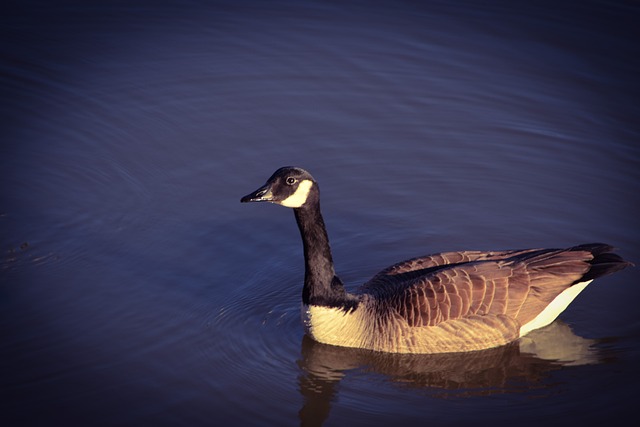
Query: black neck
321	285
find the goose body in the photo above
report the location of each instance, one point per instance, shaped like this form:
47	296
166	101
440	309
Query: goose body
440	303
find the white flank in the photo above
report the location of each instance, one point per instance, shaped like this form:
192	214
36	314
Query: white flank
298	198
553	310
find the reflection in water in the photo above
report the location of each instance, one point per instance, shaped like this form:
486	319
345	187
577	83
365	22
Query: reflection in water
497	370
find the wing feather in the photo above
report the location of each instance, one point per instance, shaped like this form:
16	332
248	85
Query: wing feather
519	287
446	258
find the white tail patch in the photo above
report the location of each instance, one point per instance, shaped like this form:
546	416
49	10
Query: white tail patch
553	310
298	198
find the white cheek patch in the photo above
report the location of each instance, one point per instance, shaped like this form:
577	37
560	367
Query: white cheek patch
298	198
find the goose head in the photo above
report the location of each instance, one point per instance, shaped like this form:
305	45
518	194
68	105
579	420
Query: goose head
289	186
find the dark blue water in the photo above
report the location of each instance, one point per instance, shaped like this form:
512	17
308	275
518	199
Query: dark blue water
137	290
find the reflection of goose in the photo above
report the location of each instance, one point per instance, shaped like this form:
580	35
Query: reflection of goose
555	344
447	302
516	366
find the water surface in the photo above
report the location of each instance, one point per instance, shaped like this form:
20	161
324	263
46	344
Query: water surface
136	289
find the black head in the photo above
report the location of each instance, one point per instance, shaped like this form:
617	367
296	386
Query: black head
288	186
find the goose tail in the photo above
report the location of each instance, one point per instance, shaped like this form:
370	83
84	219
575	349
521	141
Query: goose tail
604	261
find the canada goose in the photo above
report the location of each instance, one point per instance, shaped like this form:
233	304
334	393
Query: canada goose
440	303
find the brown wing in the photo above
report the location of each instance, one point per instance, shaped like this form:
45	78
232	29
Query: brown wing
518	284
446	258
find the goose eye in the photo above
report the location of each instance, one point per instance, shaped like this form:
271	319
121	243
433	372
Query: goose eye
291	180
